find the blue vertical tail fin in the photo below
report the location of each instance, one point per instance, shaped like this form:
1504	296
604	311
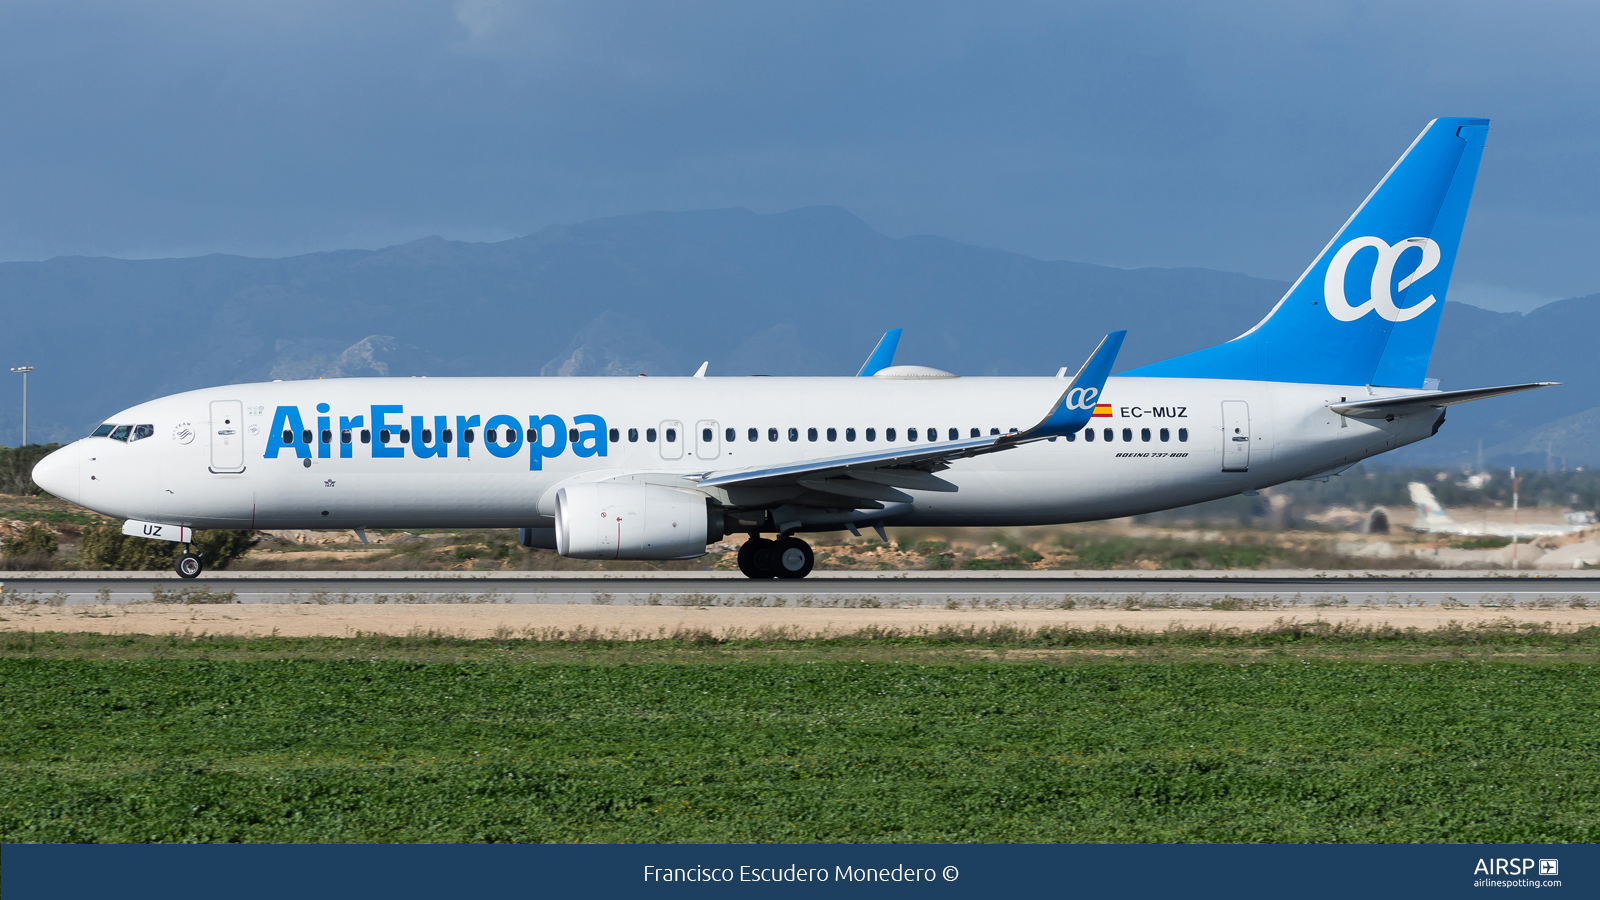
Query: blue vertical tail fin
1367	309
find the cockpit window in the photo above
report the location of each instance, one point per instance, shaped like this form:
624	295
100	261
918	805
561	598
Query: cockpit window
140	432
103	430
121	433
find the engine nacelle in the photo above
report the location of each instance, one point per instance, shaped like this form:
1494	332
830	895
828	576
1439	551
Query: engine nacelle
607	520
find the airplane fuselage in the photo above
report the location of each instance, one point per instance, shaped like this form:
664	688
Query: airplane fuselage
220	458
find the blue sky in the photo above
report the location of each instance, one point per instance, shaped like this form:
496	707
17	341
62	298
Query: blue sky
1231	136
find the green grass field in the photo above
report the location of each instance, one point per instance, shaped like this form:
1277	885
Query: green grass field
215	739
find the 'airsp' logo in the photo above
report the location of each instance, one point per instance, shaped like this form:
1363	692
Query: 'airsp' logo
1381	302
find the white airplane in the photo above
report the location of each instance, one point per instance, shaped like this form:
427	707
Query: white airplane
1432	519
656	468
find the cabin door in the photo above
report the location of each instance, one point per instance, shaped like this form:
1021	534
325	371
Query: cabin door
1235	436
227	436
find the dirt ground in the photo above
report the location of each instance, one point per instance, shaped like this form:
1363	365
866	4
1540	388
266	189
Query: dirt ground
519	620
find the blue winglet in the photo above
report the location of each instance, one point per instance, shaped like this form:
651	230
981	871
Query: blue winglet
1077	403
882	355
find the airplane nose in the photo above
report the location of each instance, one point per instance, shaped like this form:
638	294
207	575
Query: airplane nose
58	473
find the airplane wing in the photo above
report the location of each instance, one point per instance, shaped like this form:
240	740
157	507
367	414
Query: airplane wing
864	479
1411	404
882	355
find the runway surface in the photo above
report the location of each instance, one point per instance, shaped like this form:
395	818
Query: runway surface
849	590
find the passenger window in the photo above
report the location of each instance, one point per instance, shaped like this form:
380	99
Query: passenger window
994	431
976	433
103	430
572	435
888	434
305	437
405	435
911	434
794	435
1127	435
140	432
633	435
491	435
811	434
650	435
754	435
1144	434
467	435
1073	437
383	436
344	436
705	435
730	433
849	434
327	436
672	435
872	434
288	436
1166	435
1183	434
366	435
833	434
533	435
1088	434
772	434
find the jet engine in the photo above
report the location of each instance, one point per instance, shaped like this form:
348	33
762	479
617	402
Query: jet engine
607	520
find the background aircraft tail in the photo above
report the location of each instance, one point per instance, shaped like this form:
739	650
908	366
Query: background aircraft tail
1429	512
1367	309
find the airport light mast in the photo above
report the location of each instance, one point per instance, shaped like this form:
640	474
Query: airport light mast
24	370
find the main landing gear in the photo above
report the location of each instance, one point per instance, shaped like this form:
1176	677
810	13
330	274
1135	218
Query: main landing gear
188	564
787	557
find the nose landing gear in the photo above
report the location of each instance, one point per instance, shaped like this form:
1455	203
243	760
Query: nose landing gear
188	563
787	557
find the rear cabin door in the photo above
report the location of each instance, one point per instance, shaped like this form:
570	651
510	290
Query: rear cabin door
1235	436
227	436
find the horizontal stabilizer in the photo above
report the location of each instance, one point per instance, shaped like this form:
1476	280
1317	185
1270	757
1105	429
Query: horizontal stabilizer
1411	404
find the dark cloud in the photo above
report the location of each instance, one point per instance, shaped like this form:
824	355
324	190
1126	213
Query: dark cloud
1234	136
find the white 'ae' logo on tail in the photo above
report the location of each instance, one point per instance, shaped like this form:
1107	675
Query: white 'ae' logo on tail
1382	301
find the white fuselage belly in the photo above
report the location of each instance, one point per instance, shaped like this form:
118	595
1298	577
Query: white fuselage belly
1291	434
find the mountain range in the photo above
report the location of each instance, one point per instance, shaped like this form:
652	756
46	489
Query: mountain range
805	292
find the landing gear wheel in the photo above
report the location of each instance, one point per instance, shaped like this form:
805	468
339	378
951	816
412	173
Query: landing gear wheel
188	565
793	558
755	558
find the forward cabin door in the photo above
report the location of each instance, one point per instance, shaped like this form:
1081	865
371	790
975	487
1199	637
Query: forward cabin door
1235	436
227	436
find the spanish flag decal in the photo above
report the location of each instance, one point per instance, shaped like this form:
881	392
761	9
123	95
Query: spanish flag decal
1102	409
